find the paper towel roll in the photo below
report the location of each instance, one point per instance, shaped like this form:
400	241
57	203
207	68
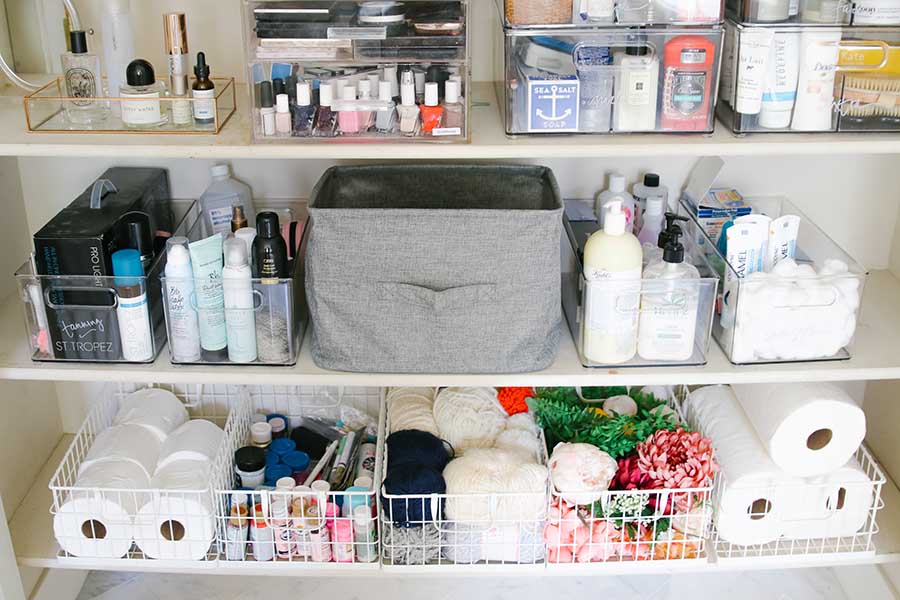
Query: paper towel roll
130	443
99	523
834	505
178	522
808	429
750	503
198	439
158	410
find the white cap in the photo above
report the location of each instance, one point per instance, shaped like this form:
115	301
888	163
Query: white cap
365	89
279	509
177	253
257	417
420	82
247	235
320	485
304	97
302	489
456	78
362	513
339	85
384	91
407	89
285	484
390	74
616	182
615	220
261	433
236	255
239	498
363	481
348	93
654	205
451	92
374	80
326	94
282	104
220	170
431	93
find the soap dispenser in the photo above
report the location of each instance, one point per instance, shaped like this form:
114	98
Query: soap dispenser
612	273
654	253
669	301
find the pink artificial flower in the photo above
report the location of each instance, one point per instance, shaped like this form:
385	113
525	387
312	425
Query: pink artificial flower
677	459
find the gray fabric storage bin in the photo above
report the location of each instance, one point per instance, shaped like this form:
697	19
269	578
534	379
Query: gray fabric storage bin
435	268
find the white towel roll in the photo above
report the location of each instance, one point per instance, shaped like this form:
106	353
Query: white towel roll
130	443
808	429
197	439
751	502
158	410
834	505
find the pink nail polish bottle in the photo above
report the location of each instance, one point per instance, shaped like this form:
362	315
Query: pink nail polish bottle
349	120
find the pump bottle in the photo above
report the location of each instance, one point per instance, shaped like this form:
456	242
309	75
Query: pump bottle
616	191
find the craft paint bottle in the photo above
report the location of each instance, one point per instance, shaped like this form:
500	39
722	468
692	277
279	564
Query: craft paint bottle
236	530
262	537
284	543
364	535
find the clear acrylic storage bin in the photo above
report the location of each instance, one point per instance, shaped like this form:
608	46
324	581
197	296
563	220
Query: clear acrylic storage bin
806	313
859	13
297	540
279	315
787	78
640	525
610	80
75	317
108	528
602	13
351	47
670	319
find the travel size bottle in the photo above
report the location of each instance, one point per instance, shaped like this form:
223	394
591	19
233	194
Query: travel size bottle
432	111
454	109
266	109
304	111
81	73
408	111
282	114
143	109
204	93
325	117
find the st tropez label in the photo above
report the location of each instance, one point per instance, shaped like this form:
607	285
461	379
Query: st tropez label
553	104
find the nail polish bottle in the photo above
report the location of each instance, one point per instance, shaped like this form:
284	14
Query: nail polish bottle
408	111
349	120
278	87
282	114
325	117
385	120
454	110
432	111
366	118
304	111
391	75
267	108
420	87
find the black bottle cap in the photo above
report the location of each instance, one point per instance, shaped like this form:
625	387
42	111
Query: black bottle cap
267	225
278	86
651	180
137	233
290	83
201	69
140	73
250	459
671	226
266	97
674	250
78	41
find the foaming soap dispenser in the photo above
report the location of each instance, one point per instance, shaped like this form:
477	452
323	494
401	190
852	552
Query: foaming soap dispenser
612	270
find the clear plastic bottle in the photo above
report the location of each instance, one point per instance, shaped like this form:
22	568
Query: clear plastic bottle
641	191
652	221
81	73
220	196
616	192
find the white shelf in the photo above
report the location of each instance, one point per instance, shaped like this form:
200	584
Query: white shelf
876	356
489	141
31	529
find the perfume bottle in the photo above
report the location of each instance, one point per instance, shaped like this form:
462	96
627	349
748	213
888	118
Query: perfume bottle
325	117
432	111
142	108
386	120
81	73
304	110
408	111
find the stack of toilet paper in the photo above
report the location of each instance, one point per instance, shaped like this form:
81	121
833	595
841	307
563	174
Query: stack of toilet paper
142	481
787	461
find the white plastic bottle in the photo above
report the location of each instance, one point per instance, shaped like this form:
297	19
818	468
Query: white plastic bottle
641	191
669	302
637	88
652	221
184	328
615	193
220	196
240	321
612	268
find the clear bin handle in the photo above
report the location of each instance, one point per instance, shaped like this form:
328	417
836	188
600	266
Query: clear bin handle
81	288
861	45
101	188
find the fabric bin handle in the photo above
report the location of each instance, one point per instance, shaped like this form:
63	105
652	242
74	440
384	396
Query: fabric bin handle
439	301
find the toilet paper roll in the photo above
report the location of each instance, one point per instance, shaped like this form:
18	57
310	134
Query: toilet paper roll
808	429
129	443
198	439
99	523
178	522
158	410
750	503
834	505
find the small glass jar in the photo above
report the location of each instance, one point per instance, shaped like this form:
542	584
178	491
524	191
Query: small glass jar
142	108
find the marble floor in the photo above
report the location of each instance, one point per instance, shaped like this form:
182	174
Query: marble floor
799	584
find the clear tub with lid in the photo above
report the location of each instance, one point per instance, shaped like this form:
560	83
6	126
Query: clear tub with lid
602	13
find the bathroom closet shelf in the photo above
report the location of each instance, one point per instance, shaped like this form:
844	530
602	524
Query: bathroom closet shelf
31	530
876	357
489	141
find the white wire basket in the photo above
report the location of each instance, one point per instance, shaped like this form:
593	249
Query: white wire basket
304	539
639	525
504	531
103	527
835	517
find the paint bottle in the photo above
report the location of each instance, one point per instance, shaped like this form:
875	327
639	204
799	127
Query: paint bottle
319	536
284	542
261	536
365	536
236	529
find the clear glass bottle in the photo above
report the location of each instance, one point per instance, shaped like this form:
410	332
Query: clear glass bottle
142	109
81	74
304	111
408	111
454	108
386	120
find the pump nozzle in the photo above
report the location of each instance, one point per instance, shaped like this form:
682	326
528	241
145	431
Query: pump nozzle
674	250
665	234
615	219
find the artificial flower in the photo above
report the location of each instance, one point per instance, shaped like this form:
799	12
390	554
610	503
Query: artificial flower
677	459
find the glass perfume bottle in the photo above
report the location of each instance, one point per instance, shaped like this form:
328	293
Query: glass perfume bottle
386	120
81	74
408	111
304	110
325	117
142	108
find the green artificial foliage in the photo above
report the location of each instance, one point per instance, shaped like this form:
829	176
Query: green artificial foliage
602	393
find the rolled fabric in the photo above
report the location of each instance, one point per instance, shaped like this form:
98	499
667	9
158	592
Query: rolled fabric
197	439
158	410
130	443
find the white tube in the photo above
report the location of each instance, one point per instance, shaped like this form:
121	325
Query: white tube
763	222
780	89
783	233
206	262
814	108
752	57
744	241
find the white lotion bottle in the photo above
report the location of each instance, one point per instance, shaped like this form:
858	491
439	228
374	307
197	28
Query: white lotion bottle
612	270
637	88
240	321
181	316
814	107
615	193
780	88
669	300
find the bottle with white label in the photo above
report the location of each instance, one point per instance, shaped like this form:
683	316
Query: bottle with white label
637	88
142	108
612	273
131	307
184	327
615	193
669	302
240	322
203	91
218	200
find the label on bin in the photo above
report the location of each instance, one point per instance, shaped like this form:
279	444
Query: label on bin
553	104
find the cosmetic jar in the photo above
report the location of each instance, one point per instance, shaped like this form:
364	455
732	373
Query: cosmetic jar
250	466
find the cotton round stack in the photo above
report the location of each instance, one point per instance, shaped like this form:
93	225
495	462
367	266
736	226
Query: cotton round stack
411	408
160	411
469	417
125	443
196	440
808	429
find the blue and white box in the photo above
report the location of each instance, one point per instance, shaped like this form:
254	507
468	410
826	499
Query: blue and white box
553	103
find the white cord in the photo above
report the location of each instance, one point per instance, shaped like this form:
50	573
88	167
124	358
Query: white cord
74	25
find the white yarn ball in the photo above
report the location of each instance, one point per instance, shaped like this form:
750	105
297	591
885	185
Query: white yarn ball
425	393
521	440
581	472
620	405
523	421
410	410
469	417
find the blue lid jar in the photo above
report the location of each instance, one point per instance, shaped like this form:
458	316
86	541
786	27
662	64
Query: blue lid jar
276	472
297	461
282	446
